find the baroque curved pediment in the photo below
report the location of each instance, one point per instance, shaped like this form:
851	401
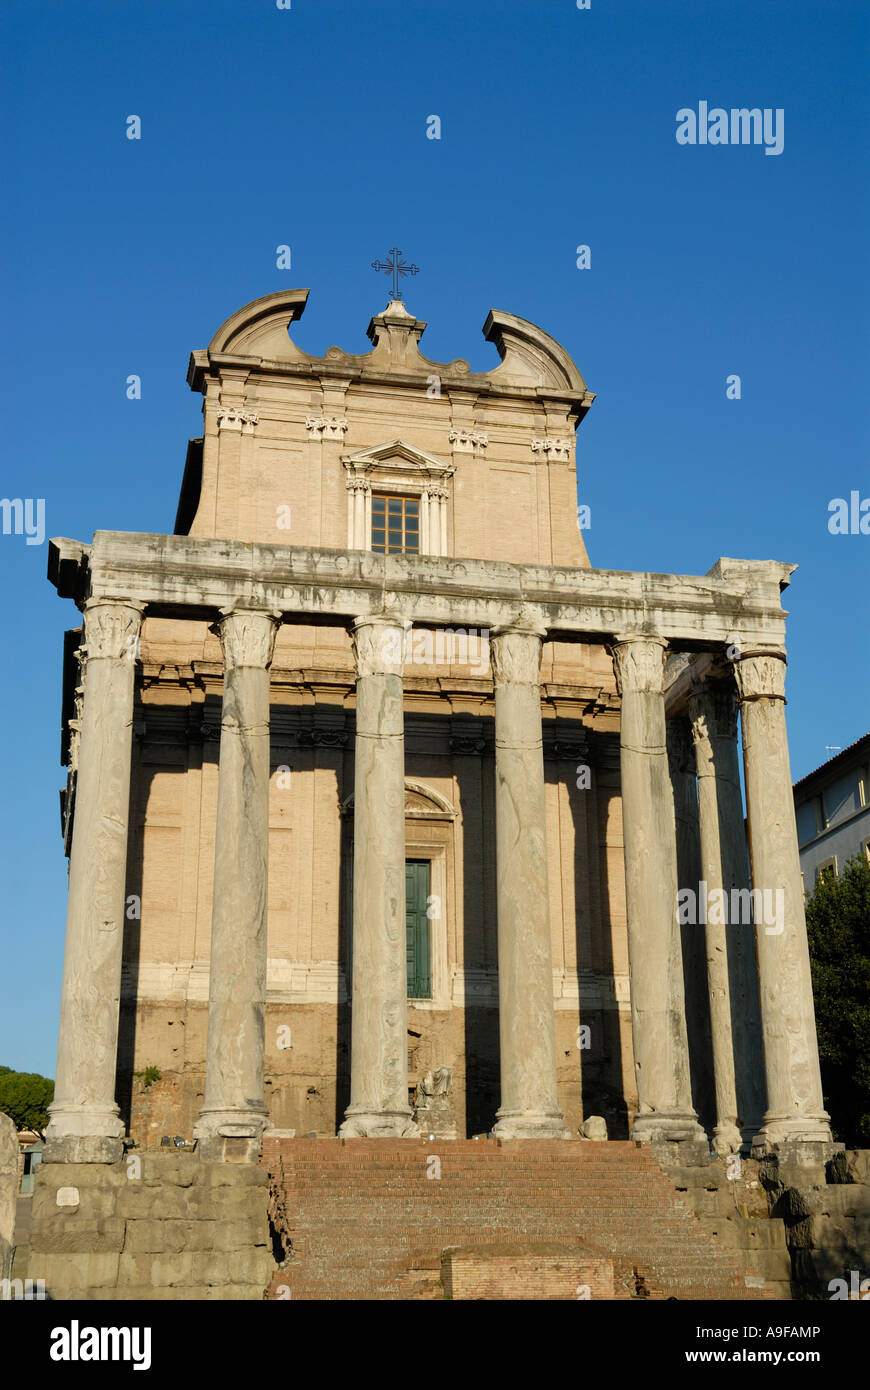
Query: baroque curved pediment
530	358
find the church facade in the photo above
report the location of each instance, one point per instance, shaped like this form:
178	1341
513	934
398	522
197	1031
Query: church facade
372	778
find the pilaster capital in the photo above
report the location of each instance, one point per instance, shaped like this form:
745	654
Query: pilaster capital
760	675
639	662
378	646
556	448
326	426
467	441
247	637
230	417
111	629
515	651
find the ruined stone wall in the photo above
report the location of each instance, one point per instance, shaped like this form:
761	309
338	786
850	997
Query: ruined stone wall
154	1226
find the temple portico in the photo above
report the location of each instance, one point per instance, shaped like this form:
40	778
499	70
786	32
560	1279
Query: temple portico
727	628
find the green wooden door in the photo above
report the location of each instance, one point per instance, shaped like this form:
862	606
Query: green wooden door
417	924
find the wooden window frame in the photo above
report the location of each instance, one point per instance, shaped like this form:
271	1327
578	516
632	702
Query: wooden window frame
405	501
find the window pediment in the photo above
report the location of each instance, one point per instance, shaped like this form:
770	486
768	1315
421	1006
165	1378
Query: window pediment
398	469
397	458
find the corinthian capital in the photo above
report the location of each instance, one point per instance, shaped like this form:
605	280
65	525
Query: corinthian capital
111	629
760	676
639	662
379	646
516	655
713	711
247	637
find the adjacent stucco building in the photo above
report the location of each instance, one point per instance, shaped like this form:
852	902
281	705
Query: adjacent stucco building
832	805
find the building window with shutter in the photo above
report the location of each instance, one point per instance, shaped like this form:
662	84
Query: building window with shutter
417	927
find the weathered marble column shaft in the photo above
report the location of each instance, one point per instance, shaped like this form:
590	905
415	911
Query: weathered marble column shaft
379	1010
730	937
681	760
85	1124
529	1103
234	1104
655	959
795	1106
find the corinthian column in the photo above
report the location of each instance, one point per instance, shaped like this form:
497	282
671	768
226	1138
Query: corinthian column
234	1105
795	1107
379	1001
529	1105
85	1124
730	940
681	759
658	1018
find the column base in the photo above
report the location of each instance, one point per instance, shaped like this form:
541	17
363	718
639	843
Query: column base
530	1124
230	1136
676	1136
79	1135
378	1124
727	1139
788	1131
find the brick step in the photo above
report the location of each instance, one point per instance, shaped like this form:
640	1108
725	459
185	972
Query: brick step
366	1221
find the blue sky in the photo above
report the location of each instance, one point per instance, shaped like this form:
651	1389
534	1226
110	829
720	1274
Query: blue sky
307	127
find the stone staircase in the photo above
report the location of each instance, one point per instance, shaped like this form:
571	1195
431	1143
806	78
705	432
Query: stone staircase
363	1218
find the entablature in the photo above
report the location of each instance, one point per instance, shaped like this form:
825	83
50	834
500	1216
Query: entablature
737	604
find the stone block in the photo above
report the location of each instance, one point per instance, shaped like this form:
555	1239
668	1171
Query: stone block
143	1293
82	1149
71	1275
771	1264
234	1204
94	1204
858	1166
190	1235
254	1266
172	1169
145	1236
238	1235
762	1235
77	1237
232	1175
170	1270
81	1175
163	1203
158	1269
247	1293
135	1268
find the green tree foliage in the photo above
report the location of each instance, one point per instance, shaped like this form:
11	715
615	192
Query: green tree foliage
838	925
25	1097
